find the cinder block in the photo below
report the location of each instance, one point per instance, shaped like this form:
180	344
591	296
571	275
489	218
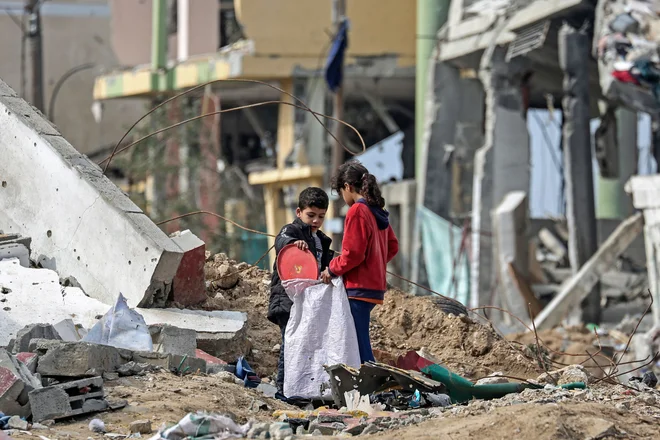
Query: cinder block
68	399
189	286
173	340
81	359
34	331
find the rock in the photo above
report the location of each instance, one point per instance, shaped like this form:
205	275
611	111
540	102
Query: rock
97	425
647	399
140	427
268	389
371	429
226	276
276	348
110	376
135	369
650	379
259	405
39	427
16	422
34	331
80	359
258	429
492	379
574	373
169	339
280	431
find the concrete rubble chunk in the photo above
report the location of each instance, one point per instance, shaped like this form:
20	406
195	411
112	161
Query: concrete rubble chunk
140	427
189	287
171	362
70	303
30	360
81	359
74	235
68	399
34	331
15	250
67	331
16	382
173	340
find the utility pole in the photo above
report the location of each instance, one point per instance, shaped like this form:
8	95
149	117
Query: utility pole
32	9
338	15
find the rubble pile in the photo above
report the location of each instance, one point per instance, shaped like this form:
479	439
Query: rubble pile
470	348
233	285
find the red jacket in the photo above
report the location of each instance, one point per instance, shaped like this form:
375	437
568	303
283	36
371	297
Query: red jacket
369	244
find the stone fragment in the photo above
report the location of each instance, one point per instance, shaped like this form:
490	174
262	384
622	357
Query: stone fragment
225	276
141	427
15	422
493	378
34	331
81	359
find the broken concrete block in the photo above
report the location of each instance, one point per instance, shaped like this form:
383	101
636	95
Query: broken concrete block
214	365
140	427
171	362
81	359
68	399
34	331
15	250
132	369
41	346
225	345
189	286
101	220
68	331
219	333
16	382
173	340
30	361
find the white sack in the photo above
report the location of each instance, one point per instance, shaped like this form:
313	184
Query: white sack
320	332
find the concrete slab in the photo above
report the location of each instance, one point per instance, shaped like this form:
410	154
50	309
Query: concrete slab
33	331
81	359
223	332
81	224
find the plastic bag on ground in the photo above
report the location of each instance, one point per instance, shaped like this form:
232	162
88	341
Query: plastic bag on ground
320	332
202	426
121	327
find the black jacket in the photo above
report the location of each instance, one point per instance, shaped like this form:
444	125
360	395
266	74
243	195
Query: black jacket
280	304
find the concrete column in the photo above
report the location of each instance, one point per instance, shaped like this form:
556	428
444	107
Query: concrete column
502	165
511	224
573	58
613	202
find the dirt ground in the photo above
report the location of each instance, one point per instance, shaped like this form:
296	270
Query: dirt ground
165	398
469	348
567	421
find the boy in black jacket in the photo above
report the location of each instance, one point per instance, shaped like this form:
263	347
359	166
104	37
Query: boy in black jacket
305	233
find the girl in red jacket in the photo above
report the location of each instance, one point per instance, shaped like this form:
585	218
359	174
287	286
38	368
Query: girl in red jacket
369	244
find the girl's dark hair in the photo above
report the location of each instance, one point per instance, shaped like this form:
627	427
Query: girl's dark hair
355	174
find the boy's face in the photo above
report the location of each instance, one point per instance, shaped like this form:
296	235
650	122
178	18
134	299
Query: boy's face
312	216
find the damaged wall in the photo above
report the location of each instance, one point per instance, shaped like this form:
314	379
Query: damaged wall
81	224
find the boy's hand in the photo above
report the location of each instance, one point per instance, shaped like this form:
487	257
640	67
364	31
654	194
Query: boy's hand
326	277
301	245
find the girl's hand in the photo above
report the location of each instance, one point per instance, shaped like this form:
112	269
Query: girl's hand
302	245
326	277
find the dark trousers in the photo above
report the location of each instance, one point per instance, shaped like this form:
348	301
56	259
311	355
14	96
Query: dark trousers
361	311
279	380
